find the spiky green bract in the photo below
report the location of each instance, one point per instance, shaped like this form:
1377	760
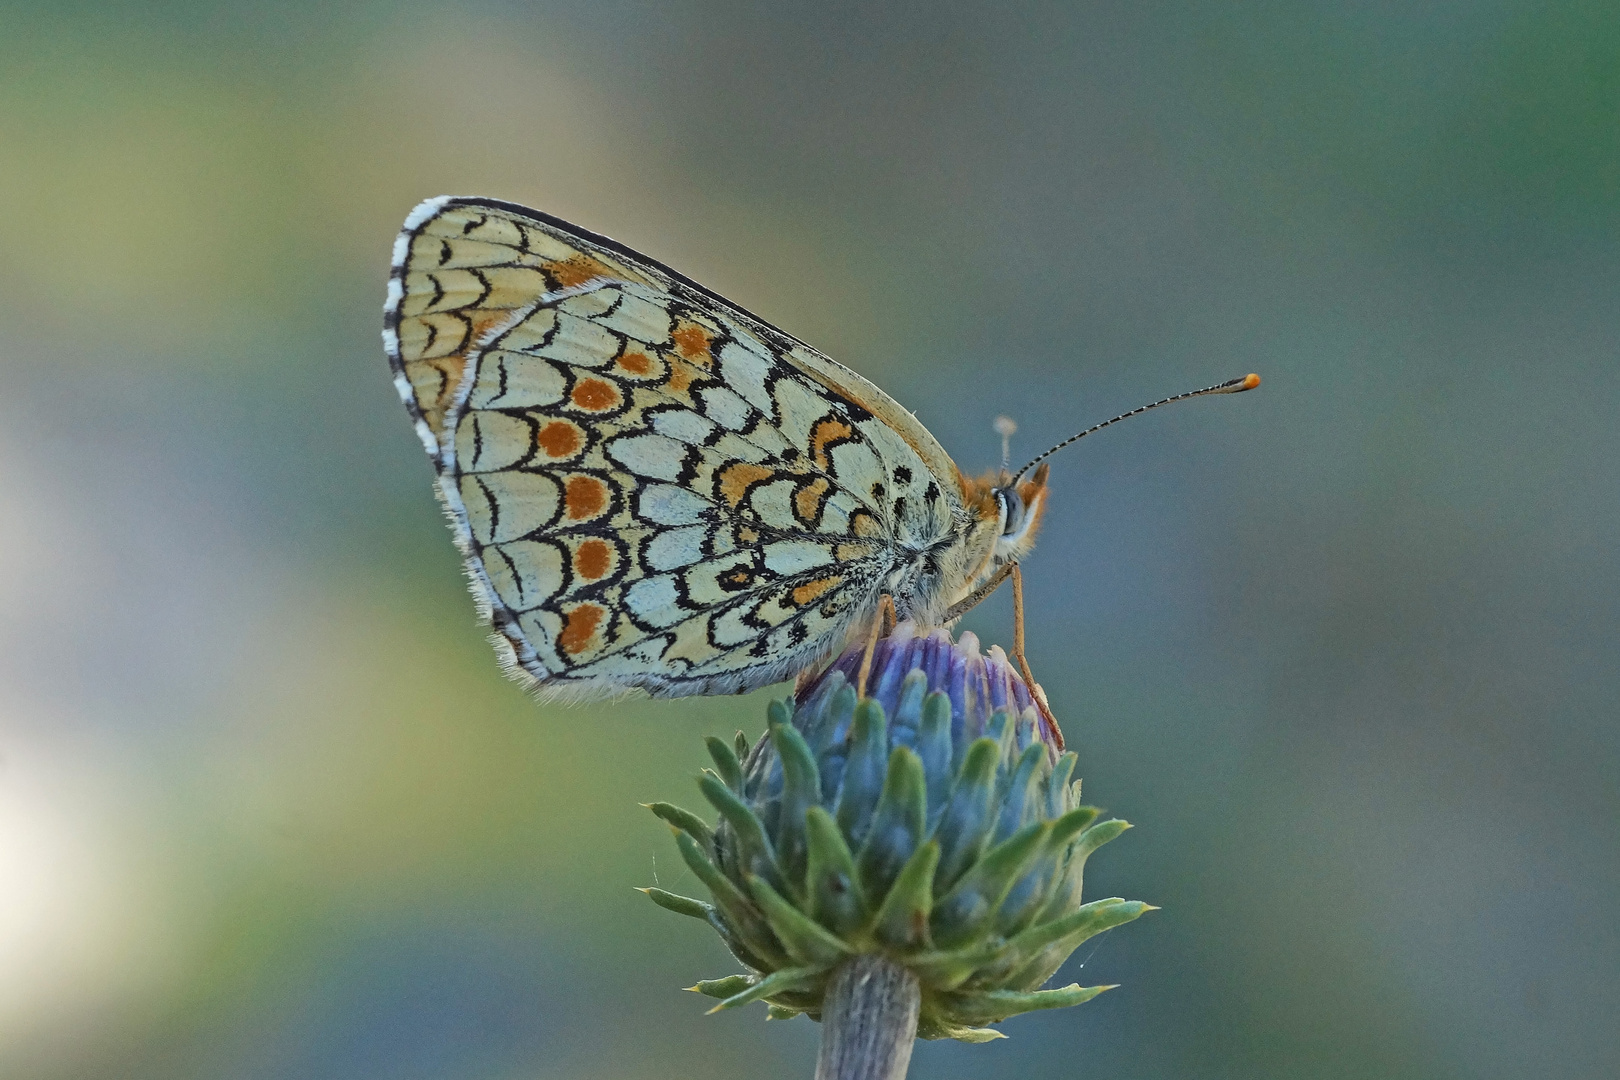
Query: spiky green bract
933	821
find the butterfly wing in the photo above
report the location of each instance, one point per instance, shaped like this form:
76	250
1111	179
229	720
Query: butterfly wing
652	487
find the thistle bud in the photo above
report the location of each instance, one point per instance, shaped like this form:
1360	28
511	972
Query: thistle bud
933	820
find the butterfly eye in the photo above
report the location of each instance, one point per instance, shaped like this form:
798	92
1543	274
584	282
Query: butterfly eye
1012	511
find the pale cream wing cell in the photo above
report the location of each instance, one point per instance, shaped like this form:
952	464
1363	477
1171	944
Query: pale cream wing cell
653	488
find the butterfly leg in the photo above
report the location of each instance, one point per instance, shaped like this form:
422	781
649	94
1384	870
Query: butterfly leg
1018	654
978	596
882	624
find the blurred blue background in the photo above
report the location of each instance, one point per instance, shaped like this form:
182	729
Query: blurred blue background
1345	649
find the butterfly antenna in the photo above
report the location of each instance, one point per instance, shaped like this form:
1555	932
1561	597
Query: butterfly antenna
1231	386
1006	427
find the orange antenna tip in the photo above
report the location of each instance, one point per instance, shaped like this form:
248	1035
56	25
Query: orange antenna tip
1250	381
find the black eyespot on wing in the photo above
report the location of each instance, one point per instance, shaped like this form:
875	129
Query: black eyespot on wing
902	475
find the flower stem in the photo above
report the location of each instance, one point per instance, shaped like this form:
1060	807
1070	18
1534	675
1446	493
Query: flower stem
869	1020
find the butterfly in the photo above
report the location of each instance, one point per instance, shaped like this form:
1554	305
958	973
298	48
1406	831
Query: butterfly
653	488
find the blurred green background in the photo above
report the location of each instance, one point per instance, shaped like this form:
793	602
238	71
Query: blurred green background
1344	649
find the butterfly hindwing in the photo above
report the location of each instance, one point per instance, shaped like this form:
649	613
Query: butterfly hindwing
652	487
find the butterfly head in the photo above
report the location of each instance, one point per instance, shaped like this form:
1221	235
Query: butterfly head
1008	512
1020	505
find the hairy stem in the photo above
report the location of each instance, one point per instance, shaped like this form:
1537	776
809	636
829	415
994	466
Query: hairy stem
868	1021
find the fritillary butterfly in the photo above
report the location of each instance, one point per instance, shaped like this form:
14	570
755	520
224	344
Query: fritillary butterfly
652	487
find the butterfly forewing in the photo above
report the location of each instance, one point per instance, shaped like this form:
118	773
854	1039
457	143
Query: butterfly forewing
652	487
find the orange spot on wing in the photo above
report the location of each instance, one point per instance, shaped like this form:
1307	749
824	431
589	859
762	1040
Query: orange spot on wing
863	524
823	436
559	439
579	627
736	479
484	321
636	363
576	270
811	591
596	395
681	375
585	497
593	559
692	342
808	499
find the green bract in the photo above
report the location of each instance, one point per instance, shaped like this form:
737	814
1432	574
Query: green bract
933	821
